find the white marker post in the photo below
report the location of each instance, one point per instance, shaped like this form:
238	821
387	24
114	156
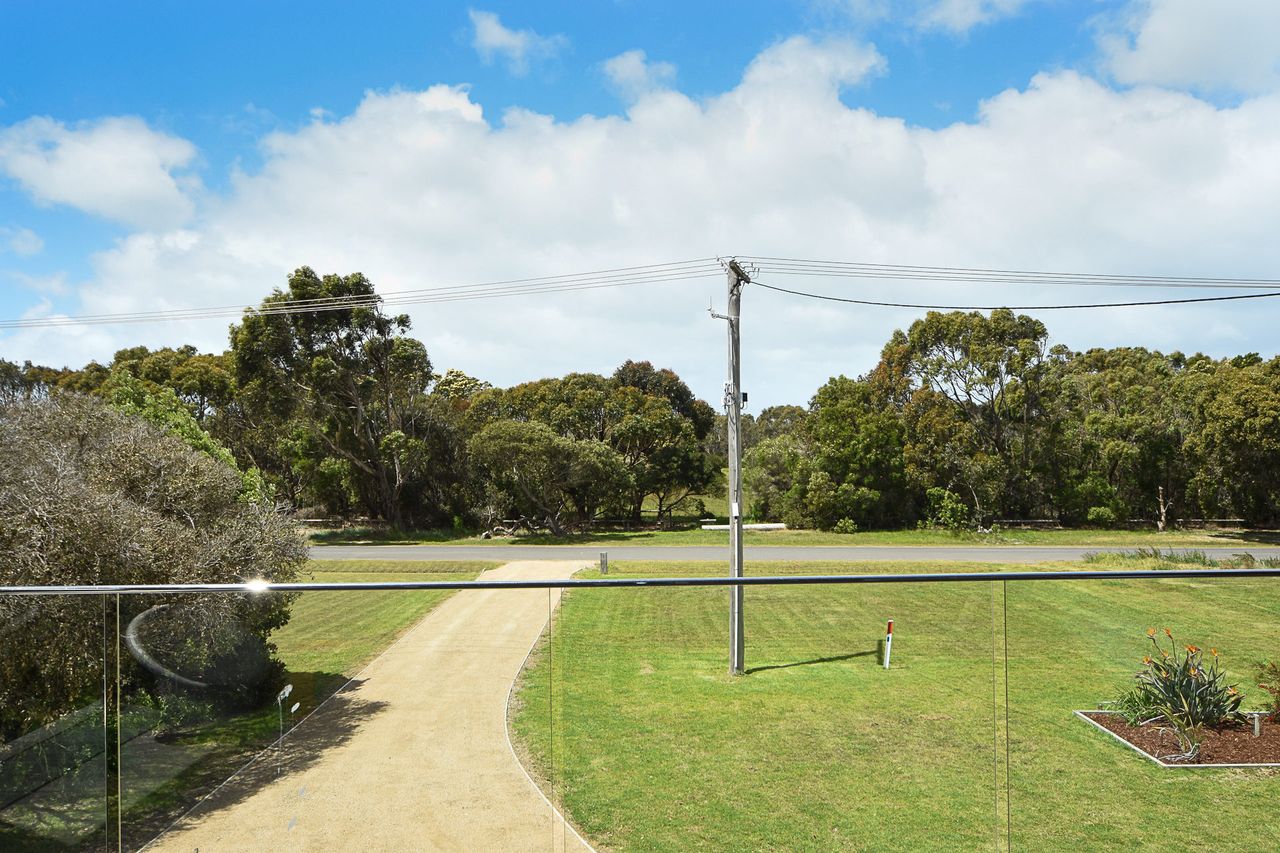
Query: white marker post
888	643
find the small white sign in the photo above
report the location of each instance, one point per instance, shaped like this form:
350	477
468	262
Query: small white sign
733	509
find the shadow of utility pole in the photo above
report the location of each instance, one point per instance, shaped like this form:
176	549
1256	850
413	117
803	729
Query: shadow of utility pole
832	659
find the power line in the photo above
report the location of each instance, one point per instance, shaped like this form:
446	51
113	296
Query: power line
854	269
1014	307
619	277
697	269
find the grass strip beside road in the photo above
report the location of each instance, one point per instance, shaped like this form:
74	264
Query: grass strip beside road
339	632
818	747
938	538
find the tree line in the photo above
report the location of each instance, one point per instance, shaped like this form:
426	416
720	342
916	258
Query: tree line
341	413
967	418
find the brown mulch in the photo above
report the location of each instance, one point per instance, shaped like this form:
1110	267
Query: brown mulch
1230	744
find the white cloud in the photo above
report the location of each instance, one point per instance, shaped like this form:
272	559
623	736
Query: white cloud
117	168
960	16
419	189
1226	45
517	47
632	75
822	67
20	241
957	17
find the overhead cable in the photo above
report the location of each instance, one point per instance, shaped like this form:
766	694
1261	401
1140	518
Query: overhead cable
619	277
879	304
853	269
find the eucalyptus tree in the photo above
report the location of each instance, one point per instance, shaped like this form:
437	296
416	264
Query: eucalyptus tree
345	385
550	477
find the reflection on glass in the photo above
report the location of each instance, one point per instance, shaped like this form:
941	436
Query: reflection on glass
1076	646
56	753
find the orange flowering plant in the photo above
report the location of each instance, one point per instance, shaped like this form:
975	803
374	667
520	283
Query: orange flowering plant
1181	689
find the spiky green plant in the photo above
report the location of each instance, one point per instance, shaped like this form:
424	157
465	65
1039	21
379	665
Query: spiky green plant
1178	687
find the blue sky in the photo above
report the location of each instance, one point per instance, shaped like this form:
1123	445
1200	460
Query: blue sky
222	105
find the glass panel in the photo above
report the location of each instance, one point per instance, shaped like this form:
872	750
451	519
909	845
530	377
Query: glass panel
816	746
1077	645
57	781
378	721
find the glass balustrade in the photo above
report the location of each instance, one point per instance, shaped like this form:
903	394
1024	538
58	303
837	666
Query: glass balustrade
456	716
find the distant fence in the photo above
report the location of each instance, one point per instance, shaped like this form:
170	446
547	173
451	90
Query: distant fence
1139	523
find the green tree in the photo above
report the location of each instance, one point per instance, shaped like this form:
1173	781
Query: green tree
665	383
770	471
649	430
1234	445
990	371
857	439
550	477
771	423
1118	428
458	386
349	385
27	381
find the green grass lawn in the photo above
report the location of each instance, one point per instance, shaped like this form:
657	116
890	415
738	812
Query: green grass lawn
656	747
339	632
1059	538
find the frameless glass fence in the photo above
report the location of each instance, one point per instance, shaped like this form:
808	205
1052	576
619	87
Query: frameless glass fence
1091	780
58	734
815	746
521	714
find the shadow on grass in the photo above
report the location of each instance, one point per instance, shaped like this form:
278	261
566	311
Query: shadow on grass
831	659
18	838
247	755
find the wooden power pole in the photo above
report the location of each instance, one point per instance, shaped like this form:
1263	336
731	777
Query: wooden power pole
733	418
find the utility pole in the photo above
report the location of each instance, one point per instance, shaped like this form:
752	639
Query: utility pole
733	417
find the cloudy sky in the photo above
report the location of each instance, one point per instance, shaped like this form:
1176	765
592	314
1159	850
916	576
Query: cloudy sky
159	156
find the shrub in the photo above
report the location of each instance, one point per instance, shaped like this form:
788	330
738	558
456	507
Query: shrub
846	525
90	495
1102	516
947	510
1178	687
1269	680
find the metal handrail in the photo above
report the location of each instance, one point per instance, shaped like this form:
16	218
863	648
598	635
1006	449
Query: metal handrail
258	587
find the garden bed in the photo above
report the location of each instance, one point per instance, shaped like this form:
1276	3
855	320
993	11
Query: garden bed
1226	746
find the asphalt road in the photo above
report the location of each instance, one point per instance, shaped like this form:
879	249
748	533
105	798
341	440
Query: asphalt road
711	553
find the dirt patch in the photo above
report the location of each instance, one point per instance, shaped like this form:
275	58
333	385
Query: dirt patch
1230	744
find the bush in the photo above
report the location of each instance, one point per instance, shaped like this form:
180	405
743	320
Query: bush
947	510
1179	688
1101	516
90	495
846	525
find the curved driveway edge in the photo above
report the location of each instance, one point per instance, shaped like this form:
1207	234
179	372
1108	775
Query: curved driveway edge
422	761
